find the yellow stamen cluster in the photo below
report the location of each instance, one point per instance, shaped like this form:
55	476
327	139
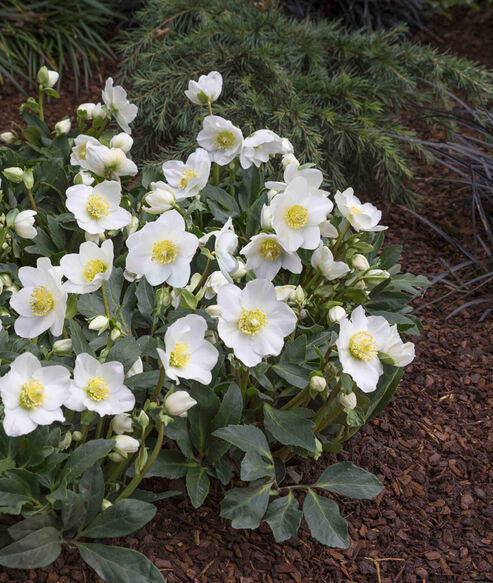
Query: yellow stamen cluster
270	249
97	389
187	175
355	210
164	252
362	345
251	322
296	216
32	395
224	140
41	301
92	268
98	207
180	356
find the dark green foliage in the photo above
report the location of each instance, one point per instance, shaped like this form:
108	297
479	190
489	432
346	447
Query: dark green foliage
336	95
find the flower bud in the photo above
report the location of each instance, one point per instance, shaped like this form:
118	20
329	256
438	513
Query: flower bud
271	194
360	262
240	271
288	159
337	313
122	141
86	110
159	199
179	403
133	225
14	174
285	293
318	383
121	423
214	283
287	146
115	334
266	218
62	346
62	128
348	401
116	457
7	137
83	177
28	178
328	230
47	78
129	276
76	436
66	441
303	314
143	419
105	504
95	238
299	294
319	449
24	224
99	323
377	274
136	368
127	443
214	311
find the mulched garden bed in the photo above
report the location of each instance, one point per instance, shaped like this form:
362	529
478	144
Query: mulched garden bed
432	446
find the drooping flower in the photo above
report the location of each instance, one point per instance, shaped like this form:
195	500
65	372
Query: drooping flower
258	148
206	90
362	217
159	199
266	256
122	141
178	403
87	269
32	395
214	283
24	224
401	353
62	127
253	322
122	423
99	387
115	99
78	155
187	354
41	303
323	260
225	247
97	208
162	251
188	179
108	162
221	139
297	215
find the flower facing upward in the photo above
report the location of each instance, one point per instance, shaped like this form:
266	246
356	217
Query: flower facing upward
362	217
42	302
99	387
266	256
162	251
221	139
97	208
32	395
188	179
206	90
115	99
87	269
108	162
187	355
253	322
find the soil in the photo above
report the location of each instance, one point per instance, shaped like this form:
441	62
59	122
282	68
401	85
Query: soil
432	446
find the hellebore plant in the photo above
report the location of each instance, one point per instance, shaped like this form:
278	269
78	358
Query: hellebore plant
249	324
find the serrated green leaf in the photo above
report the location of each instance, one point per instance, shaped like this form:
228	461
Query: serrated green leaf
290	427
348	480
197	485
284	517
245	507
325	522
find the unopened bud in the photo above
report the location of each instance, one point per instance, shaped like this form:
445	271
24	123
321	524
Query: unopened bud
319	450
133	225
143	419
62	346
240	271
318	383
76	436
7	137
285	293
66	441
126	443
214	311
47	78
14	174
99	324
115	334
121	423
288	159
360	262
62	127
179	403
348	401
299	295
337	313
105	504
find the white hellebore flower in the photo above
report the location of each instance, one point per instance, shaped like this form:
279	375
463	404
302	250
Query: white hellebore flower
206	90
83	177
337	313
214	283
159	199
115	99
7	137
323	260
285	293
99	387
24	224
361	338
46	77
225	247
258	148
313	177
42	302
187	354
348	401
32	395
162	251
126	443
121	423
188	179
62	127
97	209
266	256
253	322
221	139
87	269
79	151
87	109
108	162
122	141
401	353
296	216
179	403
362	217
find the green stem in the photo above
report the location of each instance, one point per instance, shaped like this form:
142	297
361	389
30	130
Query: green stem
159	385
105	300
215	174
31	199
204	276
40	103
296	399
99	428
244	382
210	107
340	239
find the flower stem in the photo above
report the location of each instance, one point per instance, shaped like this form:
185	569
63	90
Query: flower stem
244	383
340	239
31	199
204	276
40	103
159	385
210	107
99	428
215	174
105	300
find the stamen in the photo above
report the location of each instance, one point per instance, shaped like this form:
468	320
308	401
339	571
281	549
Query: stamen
164	252
41	301
362	345
251	322
296	216
97	389
180	356
92	268
224	140
187	174
270	249
32	395
98	207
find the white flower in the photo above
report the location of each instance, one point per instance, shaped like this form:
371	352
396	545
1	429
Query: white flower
87	269
99	387
285	293
287	146
83	177
121	423
266	217
190	178
42	302
133	225
360	262
402	353
62	346
79	151
360	340
126	443
162	251
289	159
122	141
225	247
63	127
348	401
32	395
87	109
362	217
97	209
258	148
221	139
327	229
266	256
187	355
318	383
178	403
160	198
296	216
253	322
46	77
214	283
337	313
136	368
99	323
108	162
7	137
323	260
115	99
24	224
214	311
313	177
206	90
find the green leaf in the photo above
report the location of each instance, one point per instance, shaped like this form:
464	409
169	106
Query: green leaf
121	519
390	256
386	387
28	525
348	480
245	507
230	409
255	466
325	522
119	565
221	204
294	374
37	549
71	309
290	427
284	517
73	510
79	342
91	489
125	350
85	456
170	464
145	297
197	485
245	437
